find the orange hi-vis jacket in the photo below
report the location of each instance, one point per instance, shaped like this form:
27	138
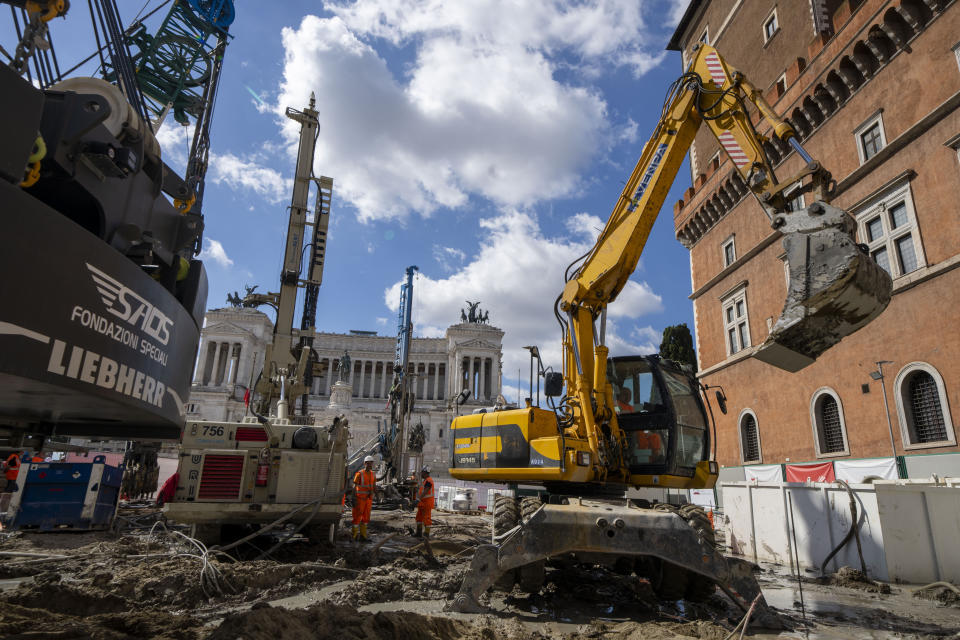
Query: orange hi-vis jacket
364	481
13	466
425	493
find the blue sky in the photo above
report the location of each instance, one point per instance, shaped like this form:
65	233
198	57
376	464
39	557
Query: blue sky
484	141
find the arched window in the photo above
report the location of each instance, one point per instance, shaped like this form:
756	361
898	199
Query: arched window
749	438
922	407
829	427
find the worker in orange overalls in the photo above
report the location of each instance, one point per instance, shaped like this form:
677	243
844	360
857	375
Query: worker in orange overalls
364	483
13	468
424	503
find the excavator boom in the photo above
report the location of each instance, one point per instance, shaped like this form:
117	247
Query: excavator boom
835	287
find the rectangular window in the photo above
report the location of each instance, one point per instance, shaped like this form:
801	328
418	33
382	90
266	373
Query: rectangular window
870	137
770	26
888	225
736	323
956	53
795	203
729	252
781	85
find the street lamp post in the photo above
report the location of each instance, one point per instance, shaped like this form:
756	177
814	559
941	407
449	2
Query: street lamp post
878	375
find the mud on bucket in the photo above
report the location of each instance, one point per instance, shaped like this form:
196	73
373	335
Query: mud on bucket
835	287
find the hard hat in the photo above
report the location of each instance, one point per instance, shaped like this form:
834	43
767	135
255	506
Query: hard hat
425	470
368	459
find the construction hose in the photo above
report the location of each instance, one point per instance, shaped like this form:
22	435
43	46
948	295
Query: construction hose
854	532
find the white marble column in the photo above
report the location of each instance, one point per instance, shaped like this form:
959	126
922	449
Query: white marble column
201	360
383	381
233	363
470	381
215	371
326	390
243	364
363	375
353	367
436	380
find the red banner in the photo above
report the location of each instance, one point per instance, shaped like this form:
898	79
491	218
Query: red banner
822	472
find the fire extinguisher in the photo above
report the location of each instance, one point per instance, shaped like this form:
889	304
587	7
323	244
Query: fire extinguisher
263	468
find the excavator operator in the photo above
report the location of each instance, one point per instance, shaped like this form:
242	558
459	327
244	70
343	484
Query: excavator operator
364	483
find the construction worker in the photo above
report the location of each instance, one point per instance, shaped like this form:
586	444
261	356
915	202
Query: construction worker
364	482
12	469
424	503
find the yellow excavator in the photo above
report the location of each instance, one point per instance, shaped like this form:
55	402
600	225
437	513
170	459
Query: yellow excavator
642	421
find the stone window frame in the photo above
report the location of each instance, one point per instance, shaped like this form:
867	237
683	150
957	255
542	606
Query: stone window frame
730	242
900	390
899	192
729	301
749	412
868	124
772	17
815	422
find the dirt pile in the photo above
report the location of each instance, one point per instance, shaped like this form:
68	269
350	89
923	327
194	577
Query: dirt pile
855	579
346	623
23	623
411	577
119	585
656	631
942	592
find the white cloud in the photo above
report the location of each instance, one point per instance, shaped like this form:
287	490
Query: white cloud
517	275
675	12
382	321
479	110
213	250
249	174
175	140
449	258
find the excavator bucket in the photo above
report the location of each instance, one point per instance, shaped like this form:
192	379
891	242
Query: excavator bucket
835	287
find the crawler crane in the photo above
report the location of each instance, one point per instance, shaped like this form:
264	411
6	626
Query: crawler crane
641	421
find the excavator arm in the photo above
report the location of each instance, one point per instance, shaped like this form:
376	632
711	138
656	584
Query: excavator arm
835	288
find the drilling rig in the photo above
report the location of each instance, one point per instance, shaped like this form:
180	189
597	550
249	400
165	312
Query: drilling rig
273	463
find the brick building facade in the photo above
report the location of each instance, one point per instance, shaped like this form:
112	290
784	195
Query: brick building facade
873	89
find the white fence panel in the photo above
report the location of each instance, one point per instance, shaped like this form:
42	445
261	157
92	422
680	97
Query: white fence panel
759	517
921	523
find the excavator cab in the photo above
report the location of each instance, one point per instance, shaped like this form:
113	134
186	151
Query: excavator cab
659	410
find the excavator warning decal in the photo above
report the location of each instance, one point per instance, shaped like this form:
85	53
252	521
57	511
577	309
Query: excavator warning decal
733	149
716	69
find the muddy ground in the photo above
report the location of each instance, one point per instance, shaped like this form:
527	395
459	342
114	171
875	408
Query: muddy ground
153	583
